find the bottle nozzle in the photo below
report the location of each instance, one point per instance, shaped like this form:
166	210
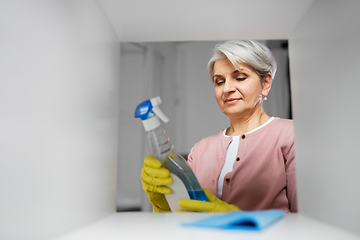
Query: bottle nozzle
149	108
149	112
155	102
160	114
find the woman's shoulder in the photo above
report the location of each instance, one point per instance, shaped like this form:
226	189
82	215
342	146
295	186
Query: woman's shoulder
208	145
281	128
282	123
211	142
212	138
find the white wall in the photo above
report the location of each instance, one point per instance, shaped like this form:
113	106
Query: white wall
324	56
198	114
58	116
147	70
279	102
130	133
167	52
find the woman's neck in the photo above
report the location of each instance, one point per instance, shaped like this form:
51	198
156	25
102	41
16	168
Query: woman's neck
242	125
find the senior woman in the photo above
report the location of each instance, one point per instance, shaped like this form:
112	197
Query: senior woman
250	165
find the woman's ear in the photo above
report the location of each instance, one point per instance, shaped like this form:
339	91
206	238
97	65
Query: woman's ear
266	84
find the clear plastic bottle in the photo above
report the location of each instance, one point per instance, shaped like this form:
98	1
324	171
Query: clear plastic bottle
162	149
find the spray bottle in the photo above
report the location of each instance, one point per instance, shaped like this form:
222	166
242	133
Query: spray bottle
185	184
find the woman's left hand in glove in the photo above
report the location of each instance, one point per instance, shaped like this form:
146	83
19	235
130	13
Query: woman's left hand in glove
213	205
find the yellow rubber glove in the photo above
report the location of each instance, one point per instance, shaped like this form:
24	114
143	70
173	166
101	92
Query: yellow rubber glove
214	205
154	178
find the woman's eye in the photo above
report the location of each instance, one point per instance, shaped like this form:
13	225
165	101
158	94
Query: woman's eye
240	79
219	82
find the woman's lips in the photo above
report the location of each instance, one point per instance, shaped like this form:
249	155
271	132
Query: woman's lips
232	100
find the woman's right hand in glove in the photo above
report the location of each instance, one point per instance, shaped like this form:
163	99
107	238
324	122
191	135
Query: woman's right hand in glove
154	178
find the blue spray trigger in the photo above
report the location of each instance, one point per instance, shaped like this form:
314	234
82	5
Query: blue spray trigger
148	110
144	110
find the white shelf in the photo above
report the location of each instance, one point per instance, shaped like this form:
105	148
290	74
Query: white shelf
140	225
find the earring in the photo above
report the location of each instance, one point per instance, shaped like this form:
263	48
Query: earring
265	98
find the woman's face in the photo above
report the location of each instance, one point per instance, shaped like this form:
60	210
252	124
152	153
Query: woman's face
239	92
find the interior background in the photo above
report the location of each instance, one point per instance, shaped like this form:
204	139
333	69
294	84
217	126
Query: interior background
60	112
176	71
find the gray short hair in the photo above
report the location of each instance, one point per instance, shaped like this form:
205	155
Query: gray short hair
257	56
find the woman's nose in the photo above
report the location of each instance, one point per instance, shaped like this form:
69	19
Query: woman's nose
229	86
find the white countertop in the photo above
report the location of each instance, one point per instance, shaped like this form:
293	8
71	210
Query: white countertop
147	226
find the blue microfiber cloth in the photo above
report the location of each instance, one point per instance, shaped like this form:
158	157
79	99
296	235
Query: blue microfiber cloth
241	220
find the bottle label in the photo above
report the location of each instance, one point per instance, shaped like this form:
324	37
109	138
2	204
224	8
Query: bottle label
178	192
